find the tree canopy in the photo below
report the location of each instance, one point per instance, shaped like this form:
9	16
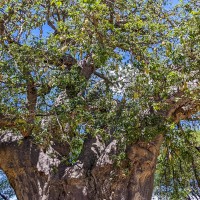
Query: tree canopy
127	70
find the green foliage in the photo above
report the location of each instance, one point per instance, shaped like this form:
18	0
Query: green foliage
147	55
178	165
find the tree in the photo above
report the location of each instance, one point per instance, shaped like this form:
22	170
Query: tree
95	93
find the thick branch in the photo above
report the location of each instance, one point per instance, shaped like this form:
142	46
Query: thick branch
179	106
31	103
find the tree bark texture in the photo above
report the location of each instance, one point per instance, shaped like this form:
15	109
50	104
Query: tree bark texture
36	173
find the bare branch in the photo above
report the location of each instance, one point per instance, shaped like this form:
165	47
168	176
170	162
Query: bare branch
103	77
3	196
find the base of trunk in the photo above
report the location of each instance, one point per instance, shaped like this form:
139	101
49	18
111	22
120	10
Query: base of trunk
38	174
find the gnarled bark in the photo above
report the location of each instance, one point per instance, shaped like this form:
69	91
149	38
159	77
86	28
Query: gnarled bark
39	174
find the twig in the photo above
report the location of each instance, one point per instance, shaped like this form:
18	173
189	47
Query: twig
103	77
3	196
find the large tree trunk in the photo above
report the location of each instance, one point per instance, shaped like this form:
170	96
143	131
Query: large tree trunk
37	174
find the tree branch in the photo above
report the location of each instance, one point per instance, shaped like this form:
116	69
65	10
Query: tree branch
3	196
103	77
